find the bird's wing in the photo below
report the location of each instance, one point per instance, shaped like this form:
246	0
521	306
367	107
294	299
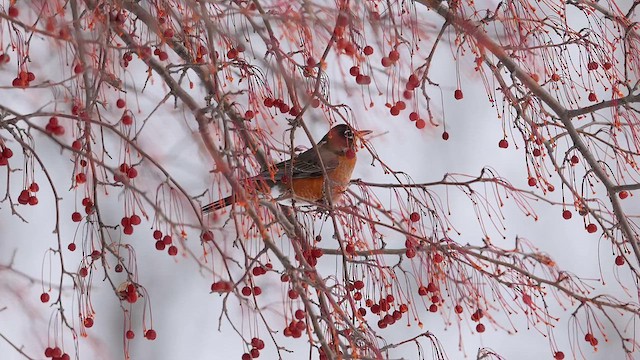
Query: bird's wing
304	165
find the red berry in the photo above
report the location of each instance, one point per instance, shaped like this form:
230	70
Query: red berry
414	217
420	124
555	77
128	230
458	94
71	247
386	62
574	159
44	297
593	97
132	173
160	245
81	178
173	250
458	309
120	103
83	272
13	11
480	328
150	334
157	234
135	220
619	260
57	352
34	187
23	198
130	334
591	228
246	291
622	194
592	65
167	240
368	50
567	214
127	119
7	153
394	55
532	181
354	71
445	136
88	322
33	200
503	144
207	236
257	343
559	355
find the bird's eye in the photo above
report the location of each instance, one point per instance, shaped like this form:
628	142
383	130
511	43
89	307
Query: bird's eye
348	134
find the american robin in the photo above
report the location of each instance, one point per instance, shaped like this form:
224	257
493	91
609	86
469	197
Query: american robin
303	176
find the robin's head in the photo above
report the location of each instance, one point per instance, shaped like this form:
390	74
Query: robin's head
343	137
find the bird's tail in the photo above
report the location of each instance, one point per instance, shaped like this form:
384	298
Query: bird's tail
217	205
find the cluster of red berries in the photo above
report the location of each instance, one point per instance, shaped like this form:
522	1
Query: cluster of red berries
162	241
5	155
221	286
295	328
56	354
161	54
384	305
361	79
23	79
261	270
53	127
282	106
256	345
311	255
588	337
88	209
129	222
249	290
28	195
390	59
233	52
125	171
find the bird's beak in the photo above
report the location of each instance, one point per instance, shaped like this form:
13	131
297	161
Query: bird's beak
362	133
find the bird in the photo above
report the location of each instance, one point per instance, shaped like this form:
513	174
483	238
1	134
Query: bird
303	176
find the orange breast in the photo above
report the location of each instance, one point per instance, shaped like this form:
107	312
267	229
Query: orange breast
312	189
